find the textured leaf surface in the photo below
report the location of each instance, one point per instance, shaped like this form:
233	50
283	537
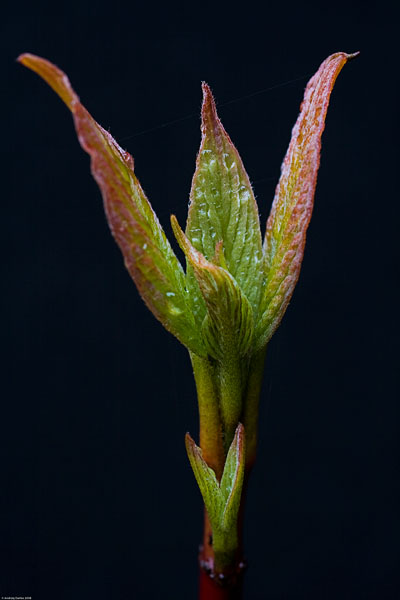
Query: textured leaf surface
206	480
148	255
223	207
232	479
293	203
222	500
228	325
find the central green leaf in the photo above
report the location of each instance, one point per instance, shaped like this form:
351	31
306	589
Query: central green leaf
227	327
223	207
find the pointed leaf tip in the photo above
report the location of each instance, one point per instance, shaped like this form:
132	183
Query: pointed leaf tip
52	75
206	90
353	55
208	107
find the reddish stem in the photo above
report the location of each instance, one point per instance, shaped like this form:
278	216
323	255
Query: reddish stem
210	590
227	585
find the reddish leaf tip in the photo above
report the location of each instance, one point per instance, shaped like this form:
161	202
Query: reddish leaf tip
55	78
239	435
206	88
176	228
25	56
190	443
353	55
208	108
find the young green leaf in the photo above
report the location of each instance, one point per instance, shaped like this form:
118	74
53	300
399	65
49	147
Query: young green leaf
293	203
223	207
148	255
222	500
206	479
232	479
228	325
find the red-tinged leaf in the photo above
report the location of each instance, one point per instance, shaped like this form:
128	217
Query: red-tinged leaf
148	255
223	207
293	203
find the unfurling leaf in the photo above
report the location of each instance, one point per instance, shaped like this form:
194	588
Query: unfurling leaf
223	207
228	324
148	255
232	479
222	500
293	203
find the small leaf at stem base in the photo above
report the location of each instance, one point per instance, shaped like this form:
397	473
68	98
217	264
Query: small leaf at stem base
222	500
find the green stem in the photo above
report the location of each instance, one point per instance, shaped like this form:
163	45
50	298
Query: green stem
251	405
211	434
231	397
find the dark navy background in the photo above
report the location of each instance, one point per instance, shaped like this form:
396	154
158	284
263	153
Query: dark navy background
97	498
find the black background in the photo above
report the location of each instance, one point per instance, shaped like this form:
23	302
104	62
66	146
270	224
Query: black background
97	497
